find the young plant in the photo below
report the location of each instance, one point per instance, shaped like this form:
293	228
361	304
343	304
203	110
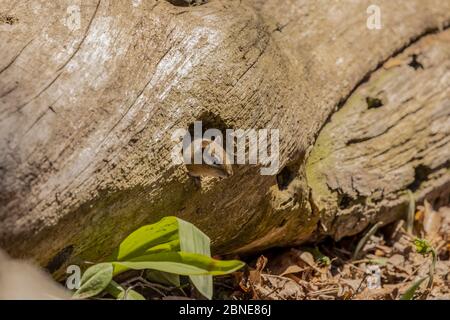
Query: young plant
319	257
409	294
171	246
424	248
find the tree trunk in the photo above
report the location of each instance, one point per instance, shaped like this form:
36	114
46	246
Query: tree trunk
87	116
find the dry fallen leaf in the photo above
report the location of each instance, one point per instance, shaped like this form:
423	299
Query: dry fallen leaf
431	221
286	263
292	269
294	273
278	288
255	275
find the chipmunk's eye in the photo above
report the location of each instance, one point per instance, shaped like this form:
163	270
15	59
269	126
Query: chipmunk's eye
216	160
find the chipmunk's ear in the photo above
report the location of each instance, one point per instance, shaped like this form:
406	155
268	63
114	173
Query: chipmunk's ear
206	143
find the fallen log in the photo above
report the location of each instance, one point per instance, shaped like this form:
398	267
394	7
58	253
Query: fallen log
87	111
392	135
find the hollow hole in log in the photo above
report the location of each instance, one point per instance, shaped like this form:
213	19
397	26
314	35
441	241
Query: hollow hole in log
421	173
209	126
373	103
285	177
344	201
209	121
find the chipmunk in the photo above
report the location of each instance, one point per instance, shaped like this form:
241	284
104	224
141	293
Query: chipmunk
188	3
218	163
20	280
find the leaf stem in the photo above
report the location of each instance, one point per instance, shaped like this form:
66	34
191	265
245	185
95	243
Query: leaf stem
411	212
366	238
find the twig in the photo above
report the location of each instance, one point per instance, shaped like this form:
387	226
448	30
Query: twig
145	285
360	284
411	212
366	238
413	273
323	291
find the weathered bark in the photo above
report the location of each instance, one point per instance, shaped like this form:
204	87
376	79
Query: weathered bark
391	135
87	116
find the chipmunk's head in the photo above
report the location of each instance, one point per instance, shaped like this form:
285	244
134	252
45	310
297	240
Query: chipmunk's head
215	161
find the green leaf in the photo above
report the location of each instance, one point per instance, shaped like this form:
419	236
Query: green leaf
94	280
114	289
182	263
409	294
366	238
193	240
120	293
157	247
173	246
144	238
424	248
321	259
432	268
169	279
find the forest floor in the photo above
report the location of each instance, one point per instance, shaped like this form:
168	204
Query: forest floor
388	264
